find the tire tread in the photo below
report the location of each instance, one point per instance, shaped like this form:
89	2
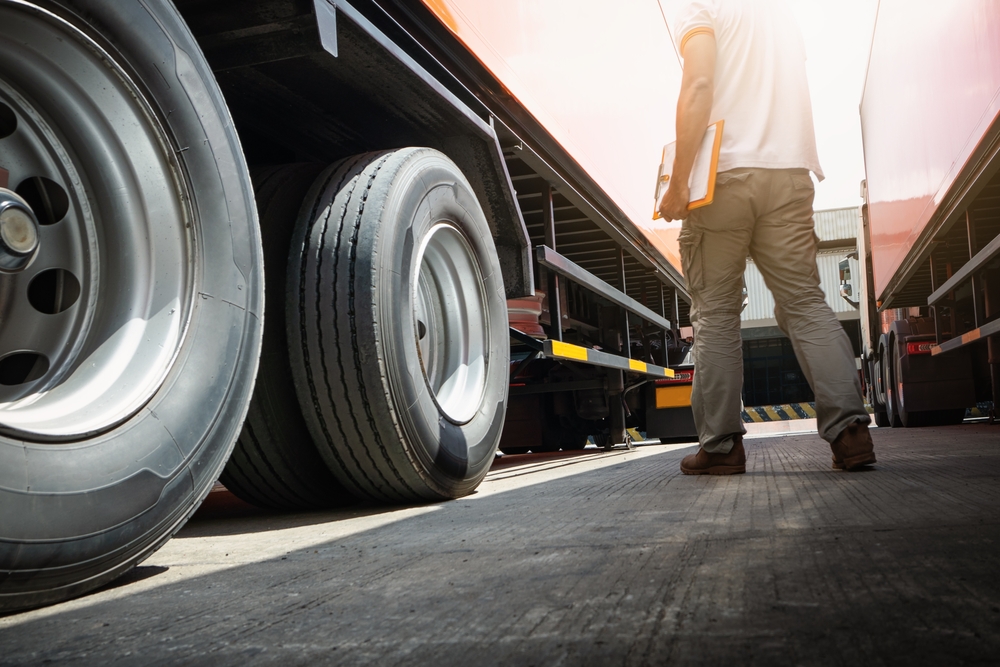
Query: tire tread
275	464
342	180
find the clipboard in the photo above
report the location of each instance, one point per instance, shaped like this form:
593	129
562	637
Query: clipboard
703	171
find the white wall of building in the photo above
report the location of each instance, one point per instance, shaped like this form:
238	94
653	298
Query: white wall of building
837	228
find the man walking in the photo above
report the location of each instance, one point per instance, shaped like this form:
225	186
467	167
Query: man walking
744	63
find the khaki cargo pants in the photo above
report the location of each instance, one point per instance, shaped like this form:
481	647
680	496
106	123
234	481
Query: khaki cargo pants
766	213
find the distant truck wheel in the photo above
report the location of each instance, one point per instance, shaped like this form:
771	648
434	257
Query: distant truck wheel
882	419
275	463
397	326
907	419
128	348
889	383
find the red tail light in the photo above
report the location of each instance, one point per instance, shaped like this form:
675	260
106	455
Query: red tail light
680	377
919	348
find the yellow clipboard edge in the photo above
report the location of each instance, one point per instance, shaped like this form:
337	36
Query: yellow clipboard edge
660	178
713	169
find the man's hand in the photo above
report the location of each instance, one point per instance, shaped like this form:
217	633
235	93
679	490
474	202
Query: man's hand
674	203
694	107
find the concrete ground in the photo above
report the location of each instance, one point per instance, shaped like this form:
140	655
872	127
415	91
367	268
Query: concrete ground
584	559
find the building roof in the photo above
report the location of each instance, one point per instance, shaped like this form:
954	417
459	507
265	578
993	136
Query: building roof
838	224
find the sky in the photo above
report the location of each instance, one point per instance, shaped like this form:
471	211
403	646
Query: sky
613	110
837	36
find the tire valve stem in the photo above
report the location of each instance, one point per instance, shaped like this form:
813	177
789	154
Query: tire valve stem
18	233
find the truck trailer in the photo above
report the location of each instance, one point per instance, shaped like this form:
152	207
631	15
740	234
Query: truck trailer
327	249
930	226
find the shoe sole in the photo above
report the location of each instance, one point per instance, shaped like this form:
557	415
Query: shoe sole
855	462
716	470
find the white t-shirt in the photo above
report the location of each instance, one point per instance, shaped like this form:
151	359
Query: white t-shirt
761	91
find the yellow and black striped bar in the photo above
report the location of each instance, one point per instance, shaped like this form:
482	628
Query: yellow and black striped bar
554	349
990	329
776	413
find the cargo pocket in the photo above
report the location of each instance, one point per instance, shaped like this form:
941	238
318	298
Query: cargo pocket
802	187
692	257
802	181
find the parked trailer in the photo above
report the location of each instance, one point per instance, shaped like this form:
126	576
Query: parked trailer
930	118
393	179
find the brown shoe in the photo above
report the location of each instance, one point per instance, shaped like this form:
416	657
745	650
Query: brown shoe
853	448
703	463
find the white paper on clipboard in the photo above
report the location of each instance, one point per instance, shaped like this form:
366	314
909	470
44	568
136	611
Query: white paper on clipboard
703	171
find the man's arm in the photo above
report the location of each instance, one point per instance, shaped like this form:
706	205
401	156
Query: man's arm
694	107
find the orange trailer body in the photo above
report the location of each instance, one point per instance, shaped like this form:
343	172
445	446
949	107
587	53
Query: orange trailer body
603	83
931	102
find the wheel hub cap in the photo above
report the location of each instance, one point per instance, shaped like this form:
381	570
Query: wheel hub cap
451	322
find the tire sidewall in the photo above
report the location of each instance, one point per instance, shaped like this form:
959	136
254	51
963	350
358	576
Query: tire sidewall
889	380
185	432
429	188
907	419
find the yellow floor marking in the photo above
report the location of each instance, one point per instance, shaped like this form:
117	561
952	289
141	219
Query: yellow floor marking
772	413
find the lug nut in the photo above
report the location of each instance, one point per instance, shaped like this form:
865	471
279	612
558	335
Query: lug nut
18	233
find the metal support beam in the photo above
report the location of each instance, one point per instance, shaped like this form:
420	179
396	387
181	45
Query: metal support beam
525	339
978	261
642	250
626	338
967	338
666	334
618	434
618	431
550	259
991	287
555	303
552	280
935	312
970	234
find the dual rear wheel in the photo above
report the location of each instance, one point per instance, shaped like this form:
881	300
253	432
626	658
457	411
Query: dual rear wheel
393	336
129	346
896	414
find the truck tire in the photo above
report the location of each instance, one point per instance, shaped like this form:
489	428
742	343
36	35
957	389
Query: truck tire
870	385
398	327
889	382
140	315
907	419
275	463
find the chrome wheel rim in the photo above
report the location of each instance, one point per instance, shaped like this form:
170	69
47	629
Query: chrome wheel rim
451	322
90	330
